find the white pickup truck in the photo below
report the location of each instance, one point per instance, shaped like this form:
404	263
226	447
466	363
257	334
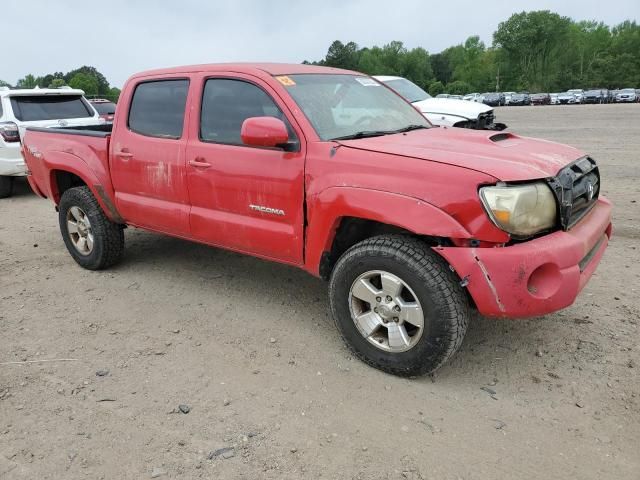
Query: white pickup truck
37	107
446	112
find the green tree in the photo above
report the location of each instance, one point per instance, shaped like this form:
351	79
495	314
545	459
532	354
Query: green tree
342	56
4	84
101	81
441	68
371	61
458	87
532	43
415	65
535	51
114	94
44	82
625	45
57	83
84	82
29	81
436	88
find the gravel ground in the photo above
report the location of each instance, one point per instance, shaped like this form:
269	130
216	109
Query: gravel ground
191	362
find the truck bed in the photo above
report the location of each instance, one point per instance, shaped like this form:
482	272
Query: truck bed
48	151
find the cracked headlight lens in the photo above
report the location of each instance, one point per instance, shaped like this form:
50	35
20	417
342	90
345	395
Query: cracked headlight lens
521	210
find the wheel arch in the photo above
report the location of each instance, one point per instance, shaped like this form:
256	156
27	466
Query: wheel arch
340	217
64	173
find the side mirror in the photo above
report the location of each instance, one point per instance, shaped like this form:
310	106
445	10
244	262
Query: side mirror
264	132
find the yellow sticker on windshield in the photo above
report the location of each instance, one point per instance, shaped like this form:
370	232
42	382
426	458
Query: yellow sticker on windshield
286	81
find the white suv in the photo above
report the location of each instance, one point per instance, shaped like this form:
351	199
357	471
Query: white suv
38	107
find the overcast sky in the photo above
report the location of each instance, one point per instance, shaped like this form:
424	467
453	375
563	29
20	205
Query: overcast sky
121	37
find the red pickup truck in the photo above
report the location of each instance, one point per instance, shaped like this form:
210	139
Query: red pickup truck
331	171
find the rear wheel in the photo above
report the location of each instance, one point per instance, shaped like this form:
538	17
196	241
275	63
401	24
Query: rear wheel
397	305
6	186
94	241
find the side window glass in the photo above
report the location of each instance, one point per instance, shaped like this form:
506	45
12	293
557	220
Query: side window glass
157	108
226	104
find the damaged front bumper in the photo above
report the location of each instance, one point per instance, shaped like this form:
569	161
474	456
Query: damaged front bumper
536	277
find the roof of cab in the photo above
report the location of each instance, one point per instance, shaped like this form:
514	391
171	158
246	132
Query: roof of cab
255	68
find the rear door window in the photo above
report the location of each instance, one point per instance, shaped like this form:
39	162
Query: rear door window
157	108
30	108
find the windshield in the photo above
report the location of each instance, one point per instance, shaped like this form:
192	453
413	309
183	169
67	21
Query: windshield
628	90
30	108
408	90
341	106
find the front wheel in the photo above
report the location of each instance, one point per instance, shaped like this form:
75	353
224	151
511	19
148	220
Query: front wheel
94	241
398	305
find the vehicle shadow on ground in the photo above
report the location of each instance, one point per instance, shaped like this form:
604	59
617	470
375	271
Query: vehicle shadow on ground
488	341
21	187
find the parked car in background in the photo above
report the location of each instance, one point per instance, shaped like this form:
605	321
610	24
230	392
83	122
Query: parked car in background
520	99
578	93
493	99
540	99
473	97
447	112
597	95
106	109
415	228
507	97
626	95
567	98
456	97
553	99
37	107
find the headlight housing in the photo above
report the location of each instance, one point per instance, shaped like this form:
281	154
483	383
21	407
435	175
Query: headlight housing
521	210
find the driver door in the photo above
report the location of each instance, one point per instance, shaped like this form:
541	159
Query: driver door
244	198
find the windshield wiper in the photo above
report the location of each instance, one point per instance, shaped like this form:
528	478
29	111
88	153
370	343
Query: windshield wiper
363	134
379	133
409	128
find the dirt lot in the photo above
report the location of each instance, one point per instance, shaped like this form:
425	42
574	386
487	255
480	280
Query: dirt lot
250	348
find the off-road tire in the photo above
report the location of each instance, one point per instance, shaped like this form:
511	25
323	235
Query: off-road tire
108	246
443	300
6	186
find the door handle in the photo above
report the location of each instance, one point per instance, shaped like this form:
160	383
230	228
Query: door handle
199	162
124	153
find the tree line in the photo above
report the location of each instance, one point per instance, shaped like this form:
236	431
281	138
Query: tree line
85	78
538	51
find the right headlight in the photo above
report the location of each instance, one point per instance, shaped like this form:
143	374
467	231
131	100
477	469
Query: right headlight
521	210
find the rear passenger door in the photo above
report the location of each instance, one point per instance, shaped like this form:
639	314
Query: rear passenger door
147	156
245	198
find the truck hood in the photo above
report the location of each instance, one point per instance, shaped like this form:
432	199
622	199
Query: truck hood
504	156
462	108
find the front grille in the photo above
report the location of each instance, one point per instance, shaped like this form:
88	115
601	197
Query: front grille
485	120
577	188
